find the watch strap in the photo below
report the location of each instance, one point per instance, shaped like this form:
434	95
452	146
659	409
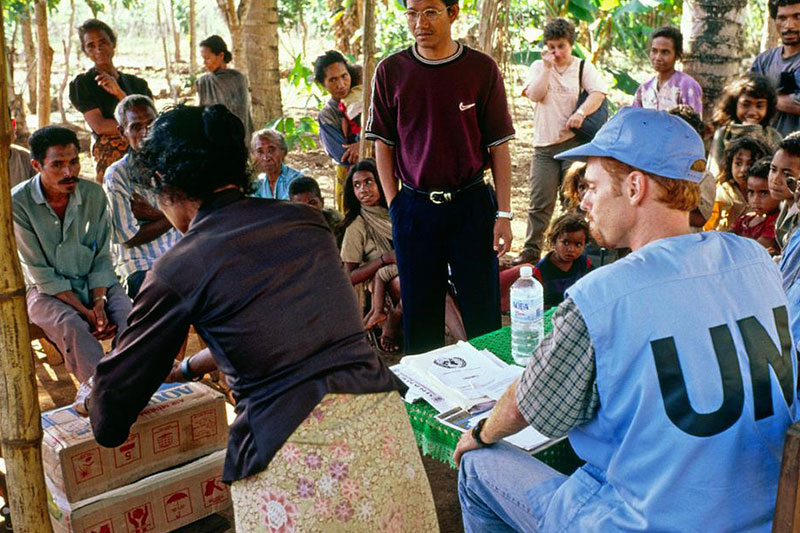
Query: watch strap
476	432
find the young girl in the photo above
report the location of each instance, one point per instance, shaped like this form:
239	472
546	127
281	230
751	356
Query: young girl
565	263
759	223
730	201
745	108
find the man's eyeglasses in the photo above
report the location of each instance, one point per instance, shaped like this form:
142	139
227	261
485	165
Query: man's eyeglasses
791	184
430	14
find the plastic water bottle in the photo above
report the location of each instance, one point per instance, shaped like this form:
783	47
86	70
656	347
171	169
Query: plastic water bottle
527	316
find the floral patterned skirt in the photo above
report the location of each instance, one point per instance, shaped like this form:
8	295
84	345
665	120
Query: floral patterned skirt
106	149
352	465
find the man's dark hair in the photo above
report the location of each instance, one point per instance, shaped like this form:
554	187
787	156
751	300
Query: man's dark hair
98	25
44	138
196	150
775	4
304	184
332	57
757	146
447	3
760	169
217	45
559	28
687	113
567	223
670	32
352	207
752	85
791	144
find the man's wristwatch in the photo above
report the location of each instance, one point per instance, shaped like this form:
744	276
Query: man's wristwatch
580	112
98	298
476	432
505	214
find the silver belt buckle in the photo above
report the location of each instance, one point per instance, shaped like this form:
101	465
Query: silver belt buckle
440	197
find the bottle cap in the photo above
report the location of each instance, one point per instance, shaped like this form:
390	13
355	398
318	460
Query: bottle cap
526	272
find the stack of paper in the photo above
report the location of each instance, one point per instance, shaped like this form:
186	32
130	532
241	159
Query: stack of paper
463	384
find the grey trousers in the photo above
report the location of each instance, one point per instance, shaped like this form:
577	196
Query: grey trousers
544	181
69	331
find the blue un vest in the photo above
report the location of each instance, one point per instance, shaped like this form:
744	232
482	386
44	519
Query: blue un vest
696	378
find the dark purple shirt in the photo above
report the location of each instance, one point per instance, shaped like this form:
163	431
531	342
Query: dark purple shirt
441	117
262	283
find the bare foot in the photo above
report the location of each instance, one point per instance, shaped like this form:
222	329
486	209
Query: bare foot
374	318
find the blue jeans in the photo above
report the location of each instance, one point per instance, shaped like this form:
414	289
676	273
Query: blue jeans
495	486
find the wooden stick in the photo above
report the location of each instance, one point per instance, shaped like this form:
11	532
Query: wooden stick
20	419
368	45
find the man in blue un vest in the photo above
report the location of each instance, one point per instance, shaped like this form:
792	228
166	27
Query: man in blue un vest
671	370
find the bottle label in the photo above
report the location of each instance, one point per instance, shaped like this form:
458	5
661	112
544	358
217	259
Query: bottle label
526	310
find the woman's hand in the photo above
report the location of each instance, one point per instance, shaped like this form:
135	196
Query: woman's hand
388	258
575	120
110	85
548	59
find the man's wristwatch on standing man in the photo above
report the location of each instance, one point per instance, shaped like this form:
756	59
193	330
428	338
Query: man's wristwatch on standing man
505	214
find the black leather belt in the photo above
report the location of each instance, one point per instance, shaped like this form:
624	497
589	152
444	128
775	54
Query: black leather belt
442	197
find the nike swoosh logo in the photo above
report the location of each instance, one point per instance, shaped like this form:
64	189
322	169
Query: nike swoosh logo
463	107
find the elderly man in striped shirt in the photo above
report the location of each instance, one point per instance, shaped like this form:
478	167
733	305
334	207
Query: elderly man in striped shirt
140	232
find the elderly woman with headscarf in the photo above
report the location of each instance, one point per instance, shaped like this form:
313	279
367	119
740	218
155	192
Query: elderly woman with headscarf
321	440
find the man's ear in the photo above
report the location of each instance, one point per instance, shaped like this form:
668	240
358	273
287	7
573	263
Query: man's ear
121	131
36	165
452	12
637	187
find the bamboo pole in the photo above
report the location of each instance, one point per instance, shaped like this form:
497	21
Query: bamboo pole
368	46
20	420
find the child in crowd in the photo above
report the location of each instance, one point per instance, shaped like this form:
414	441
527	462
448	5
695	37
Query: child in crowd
730	201
759	223
565	263
305	190
745	108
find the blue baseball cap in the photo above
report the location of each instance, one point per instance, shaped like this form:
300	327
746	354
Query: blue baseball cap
649	140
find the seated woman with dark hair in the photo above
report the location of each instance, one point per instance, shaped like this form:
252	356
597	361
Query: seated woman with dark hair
96	93
261	282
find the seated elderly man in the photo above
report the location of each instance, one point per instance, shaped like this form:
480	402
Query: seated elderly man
671	370
269	150
62	231
140	232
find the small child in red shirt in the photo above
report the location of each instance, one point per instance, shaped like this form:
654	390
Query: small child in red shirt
759	222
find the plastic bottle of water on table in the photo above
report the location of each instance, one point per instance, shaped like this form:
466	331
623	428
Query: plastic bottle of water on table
527	316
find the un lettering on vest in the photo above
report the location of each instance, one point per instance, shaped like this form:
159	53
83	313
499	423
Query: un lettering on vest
761	354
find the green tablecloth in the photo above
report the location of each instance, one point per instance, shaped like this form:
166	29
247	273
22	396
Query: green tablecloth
439	441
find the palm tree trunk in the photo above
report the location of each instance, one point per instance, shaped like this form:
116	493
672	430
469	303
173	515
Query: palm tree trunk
192	41
235	17
20	419
368	44
30	57
261	47
712	45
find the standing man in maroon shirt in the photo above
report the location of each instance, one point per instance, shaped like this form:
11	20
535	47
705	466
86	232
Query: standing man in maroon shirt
440	118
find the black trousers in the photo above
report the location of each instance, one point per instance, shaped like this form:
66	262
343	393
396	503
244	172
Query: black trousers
427	238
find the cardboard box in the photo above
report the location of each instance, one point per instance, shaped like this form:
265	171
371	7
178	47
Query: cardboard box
183	421
155	504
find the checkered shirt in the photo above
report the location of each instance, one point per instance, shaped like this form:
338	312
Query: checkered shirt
558	389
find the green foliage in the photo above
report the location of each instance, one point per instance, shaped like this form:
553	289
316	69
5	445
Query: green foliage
301	77
300	133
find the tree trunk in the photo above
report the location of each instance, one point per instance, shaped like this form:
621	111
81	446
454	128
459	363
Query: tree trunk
20	419
192	41
176	32
162	30
368	44
235	18
769	33
45	62
30	57
712	44
261	41
490	13
67	47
